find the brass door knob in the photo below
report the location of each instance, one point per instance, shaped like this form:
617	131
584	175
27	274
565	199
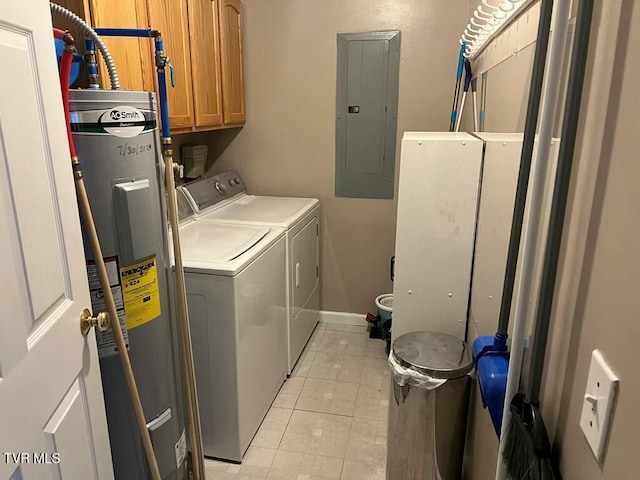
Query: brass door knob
87	321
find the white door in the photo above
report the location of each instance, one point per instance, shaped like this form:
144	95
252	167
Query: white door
52	417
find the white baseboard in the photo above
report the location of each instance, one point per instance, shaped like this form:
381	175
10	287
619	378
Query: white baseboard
343	318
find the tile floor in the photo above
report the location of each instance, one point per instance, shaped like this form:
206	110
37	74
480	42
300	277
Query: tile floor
329	420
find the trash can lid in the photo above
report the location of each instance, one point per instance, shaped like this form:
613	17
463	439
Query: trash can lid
435	354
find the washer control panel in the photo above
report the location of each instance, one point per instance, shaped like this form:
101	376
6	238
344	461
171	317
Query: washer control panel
206	192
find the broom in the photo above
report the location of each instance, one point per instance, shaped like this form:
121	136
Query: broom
528	450
490	353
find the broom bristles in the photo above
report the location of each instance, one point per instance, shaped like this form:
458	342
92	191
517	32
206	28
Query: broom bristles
520	456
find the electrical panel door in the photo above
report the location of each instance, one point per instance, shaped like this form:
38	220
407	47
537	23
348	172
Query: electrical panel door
366	111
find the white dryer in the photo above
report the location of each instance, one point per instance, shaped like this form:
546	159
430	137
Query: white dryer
224	198
235	279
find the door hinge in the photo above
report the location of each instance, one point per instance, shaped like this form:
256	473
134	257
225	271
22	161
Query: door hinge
317	229
317	271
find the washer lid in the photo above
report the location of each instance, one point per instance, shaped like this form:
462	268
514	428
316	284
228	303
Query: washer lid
435	354
280	211
211	242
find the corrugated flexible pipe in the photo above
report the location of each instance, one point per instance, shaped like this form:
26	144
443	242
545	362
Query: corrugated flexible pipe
108	59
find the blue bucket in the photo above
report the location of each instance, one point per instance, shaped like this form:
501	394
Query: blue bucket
384	303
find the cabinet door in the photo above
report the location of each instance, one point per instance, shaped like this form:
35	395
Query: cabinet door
205	62
133	57
170	18
231	56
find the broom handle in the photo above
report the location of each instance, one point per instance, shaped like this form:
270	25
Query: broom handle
474	89
523	296
570	119
465	89
456	91
533	107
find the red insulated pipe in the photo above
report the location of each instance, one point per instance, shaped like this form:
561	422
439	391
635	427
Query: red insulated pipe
58	33
65	73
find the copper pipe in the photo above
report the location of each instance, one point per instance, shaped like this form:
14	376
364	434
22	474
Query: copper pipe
193	410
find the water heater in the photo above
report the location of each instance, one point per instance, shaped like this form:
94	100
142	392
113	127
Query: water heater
115	133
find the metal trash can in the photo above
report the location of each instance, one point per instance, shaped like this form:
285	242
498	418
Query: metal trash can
428	406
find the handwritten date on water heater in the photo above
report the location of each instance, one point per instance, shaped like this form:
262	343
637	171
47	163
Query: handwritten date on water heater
133	149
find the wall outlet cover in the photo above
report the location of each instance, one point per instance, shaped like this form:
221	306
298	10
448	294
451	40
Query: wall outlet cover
598	403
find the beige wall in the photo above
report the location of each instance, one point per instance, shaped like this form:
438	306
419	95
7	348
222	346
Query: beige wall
287	146
608	302
606	310
507	93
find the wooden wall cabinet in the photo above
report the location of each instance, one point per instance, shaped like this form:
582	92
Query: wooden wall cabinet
170	18
231	56
133	58
205	62
203	40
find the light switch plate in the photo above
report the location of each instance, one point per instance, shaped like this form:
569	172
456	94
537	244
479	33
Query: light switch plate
598	403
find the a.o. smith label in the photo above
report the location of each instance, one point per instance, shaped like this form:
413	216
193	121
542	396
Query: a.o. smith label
123	121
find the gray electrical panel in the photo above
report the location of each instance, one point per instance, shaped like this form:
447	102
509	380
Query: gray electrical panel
366	113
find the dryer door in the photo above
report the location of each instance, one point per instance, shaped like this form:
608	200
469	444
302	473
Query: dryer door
304	265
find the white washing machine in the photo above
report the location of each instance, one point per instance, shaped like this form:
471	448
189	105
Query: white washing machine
223	198
235	279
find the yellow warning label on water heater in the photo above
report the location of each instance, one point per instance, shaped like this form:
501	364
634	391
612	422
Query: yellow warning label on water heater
140	291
